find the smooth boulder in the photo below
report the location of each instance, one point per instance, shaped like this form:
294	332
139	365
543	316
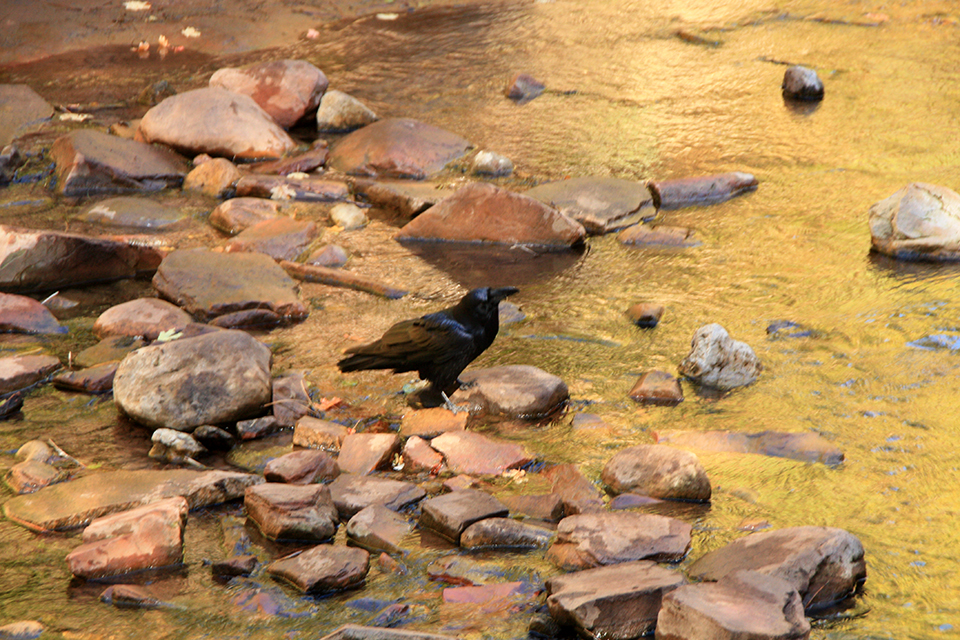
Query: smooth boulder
286	89
20	314
146	317
518	391
339	112
597	539
657	471
717	360
919	222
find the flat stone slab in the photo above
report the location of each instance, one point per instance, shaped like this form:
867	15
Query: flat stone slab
577	494
610	538
358	632
519	391
824	564
315	433
133	213
21	109
429	423
475	454
364	453
807	447
20	372
377	528
209	284
281	238
600	204
353	493
701	190
451	513
96	379
660	236
236	214
324	568
291	511
505	532
74	504
620	602
407	199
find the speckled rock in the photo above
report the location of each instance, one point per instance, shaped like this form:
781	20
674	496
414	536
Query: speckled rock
717	360
657	471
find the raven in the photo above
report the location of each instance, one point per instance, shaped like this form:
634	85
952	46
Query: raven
437	346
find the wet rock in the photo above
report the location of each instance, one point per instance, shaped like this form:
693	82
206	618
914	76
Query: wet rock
302	467
488	163
10	162
288	90
377	528
631	501
314	433
155	93
43	260
73	504
323	569
112	349
598	539
292	512
129	596
519	391
523	88
619	602
170	445
132	212
340	112
147	537
234	566
90	162
357	632
824	564
601	205
208	284
464	571
742	604
645	314
475	454
802	83
37	450
212	378
281	238
352	493
717	360
95	380
658	388
10	404
290	399
21	630
429	423
807	447
214	438
919	222
363	453
419	456
482	212
143	317
407	199
495	596
657	471
258	427
396	148
21	110
291	187
450	514
701	190
215	121
660	236
214	178
305	162
20	314
547	507
21	372
331	256
578	494
32	475
504	532
780	329
349	216
235	215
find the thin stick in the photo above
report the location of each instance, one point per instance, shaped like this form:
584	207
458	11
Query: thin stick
338	278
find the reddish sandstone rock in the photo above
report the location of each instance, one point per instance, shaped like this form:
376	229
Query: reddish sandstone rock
577	494
476	454
504	532
32	475
377	528
315	433
657	387
96	379
702	190
657	471
281	238
419	456
20	372
20	314
601	205
547	507
323	569
292	512
483	212
353	493
364	453
278	187
598	539
451	513
483	594
301	467
146	317
213	178
429	423
288	90
808	447
236	214
339	112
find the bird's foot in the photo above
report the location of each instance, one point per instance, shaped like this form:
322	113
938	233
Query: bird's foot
455	408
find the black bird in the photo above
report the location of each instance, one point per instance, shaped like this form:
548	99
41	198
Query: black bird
438	346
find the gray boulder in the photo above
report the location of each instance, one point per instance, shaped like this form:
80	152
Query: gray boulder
657	471
339	112
601	205
717	360
919	222
518	391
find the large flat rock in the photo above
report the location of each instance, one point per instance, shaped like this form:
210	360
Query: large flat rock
74	504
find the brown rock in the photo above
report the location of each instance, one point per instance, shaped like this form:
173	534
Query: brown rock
645	235
146	317
364	453
20	314
339	112
657	471
377	528
802	83
396	148
429	423
281	238
483	212
32	475
419	456
236	214
451	513
547	507
308	189
129	596
611	538
323	569
290	399
292	512
352	493
601	205
578	494
286	89
523	88
133	213
318	434
487	594
20	372
21	110
97	379
257	427
476	454
702	190
304	162
407	199
301	467
645	314
90	162
657	387
332	256
213	178
519	391
504	532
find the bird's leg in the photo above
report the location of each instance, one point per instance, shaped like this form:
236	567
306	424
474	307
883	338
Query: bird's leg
454	408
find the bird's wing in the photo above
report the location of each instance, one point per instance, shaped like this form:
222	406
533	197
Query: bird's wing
426	344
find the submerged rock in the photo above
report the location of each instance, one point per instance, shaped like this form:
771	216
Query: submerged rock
396	148
657	471
657	387
808	447
600	204
21	372
281	238
523	88
323	569
645	314
216	377
32	475
485	213
340	112
407	199
90	162
802	83
717	360
919	222
95	380
134	213
659	236
215	121
288	90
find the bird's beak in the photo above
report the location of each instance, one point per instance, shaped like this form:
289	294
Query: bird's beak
503	292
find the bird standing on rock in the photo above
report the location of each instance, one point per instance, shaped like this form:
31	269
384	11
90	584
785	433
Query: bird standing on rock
438	346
